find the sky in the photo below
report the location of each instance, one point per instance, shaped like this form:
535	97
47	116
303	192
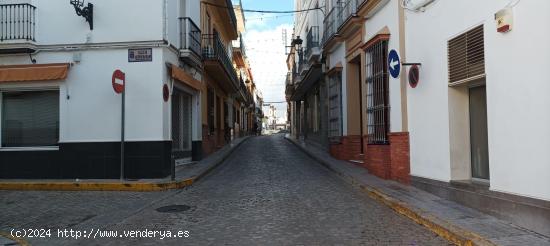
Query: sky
266	50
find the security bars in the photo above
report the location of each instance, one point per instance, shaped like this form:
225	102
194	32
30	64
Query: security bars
378	107
190	35
335	106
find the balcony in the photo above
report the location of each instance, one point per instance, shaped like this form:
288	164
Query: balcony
232	15
17	28
190	40
239	51
313	52
331	24
350	20
218	64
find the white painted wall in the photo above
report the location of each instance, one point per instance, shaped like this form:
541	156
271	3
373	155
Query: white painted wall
338	55
114	21
388	16
517	92
92	114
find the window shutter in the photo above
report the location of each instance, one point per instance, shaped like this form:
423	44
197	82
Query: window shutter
466	54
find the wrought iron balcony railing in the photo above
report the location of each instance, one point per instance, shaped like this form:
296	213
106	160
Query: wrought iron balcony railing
190	36
17	22
214	49
332	22
312	40
348	9
301	60
232	14
239	44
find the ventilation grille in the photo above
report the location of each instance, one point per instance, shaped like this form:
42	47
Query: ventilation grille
467	56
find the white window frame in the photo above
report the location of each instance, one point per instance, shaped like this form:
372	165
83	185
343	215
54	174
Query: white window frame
30	89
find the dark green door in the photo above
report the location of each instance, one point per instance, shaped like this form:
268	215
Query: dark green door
478	133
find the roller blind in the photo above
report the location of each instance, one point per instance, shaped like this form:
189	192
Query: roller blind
30	119
466	54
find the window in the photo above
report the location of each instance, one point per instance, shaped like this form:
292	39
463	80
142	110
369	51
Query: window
30	119
316	111
210	109
335	105
378	106
466	56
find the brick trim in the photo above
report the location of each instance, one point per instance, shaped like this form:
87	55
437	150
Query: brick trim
375	39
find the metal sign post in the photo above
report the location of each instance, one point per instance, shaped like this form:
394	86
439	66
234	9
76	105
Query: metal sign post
119	85
122	130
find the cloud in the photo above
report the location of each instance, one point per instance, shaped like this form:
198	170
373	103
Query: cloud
266	53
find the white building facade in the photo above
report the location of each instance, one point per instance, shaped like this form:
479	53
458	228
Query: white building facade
60	115
479	115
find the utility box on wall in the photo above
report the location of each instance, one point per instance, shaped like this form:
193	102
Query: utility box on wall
505	20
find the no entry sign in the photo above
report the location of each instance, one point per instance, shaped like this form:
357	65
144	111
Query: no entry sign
414	76
119	80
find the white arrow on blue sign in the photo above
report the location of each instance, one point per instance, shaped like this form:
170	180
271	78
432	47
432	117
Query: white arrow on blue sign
394	64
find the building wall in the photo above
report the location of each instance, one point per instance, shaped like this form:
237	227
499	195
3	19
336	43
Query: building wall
517	101
386	20
94	105
337	57
114	21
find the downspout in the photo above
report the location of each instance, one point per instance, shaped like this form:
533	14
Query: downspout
402	51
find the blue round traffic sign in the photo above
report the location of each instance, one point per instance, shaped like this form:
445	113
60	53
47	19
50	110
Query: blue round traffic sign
394	64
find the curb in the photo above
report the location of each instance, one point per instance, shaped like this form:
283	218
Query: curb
444	229
116	186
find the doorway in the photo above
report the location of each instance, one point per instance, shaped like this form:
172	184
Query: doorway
181	125
478	133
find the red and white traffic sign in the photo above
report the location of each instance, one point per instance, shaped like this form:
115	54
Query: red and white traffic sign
165	93
119	81
414	76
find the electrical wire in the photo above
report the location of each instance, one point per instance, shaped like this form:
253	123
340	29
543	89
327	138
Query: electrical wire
269	17
267	11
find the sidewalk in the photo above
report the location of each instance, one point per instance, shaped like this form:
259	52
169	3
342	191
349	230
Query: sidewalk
459	224
186	175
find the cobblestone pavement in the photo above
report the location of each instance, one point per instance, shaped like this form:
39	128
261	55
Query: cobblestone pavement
267	193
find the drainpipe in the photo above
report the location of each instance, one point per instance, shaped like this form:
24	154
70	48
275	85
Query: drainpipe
403	52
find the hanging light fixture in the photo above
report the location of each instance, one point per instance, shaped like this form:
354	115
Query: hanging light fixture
86	12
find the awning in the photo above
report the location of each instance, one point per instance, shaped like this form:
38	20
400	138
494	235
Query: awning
183	77
35	72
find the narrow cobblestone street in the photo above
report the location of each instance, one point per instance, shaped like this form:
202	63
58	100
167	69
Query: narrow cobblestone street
267	193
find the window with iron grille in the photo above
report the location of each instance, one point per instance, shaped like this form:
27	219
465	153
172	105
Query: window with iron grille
466	54
378	104
211	109
335	105
317	113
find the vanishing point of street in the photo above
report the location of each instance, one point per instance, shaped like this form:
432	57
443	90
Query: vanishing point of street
267	192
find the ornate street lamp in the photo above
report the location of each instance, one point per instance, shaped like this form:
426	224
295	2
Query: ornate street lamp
86	12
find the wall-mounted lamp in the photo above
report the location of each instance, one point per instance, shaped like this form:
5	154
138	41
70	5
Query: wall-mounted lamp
86	12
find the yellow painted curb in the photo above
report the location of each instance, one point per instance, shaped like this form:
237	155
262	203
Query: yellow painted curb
90	186
20	241
444	229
